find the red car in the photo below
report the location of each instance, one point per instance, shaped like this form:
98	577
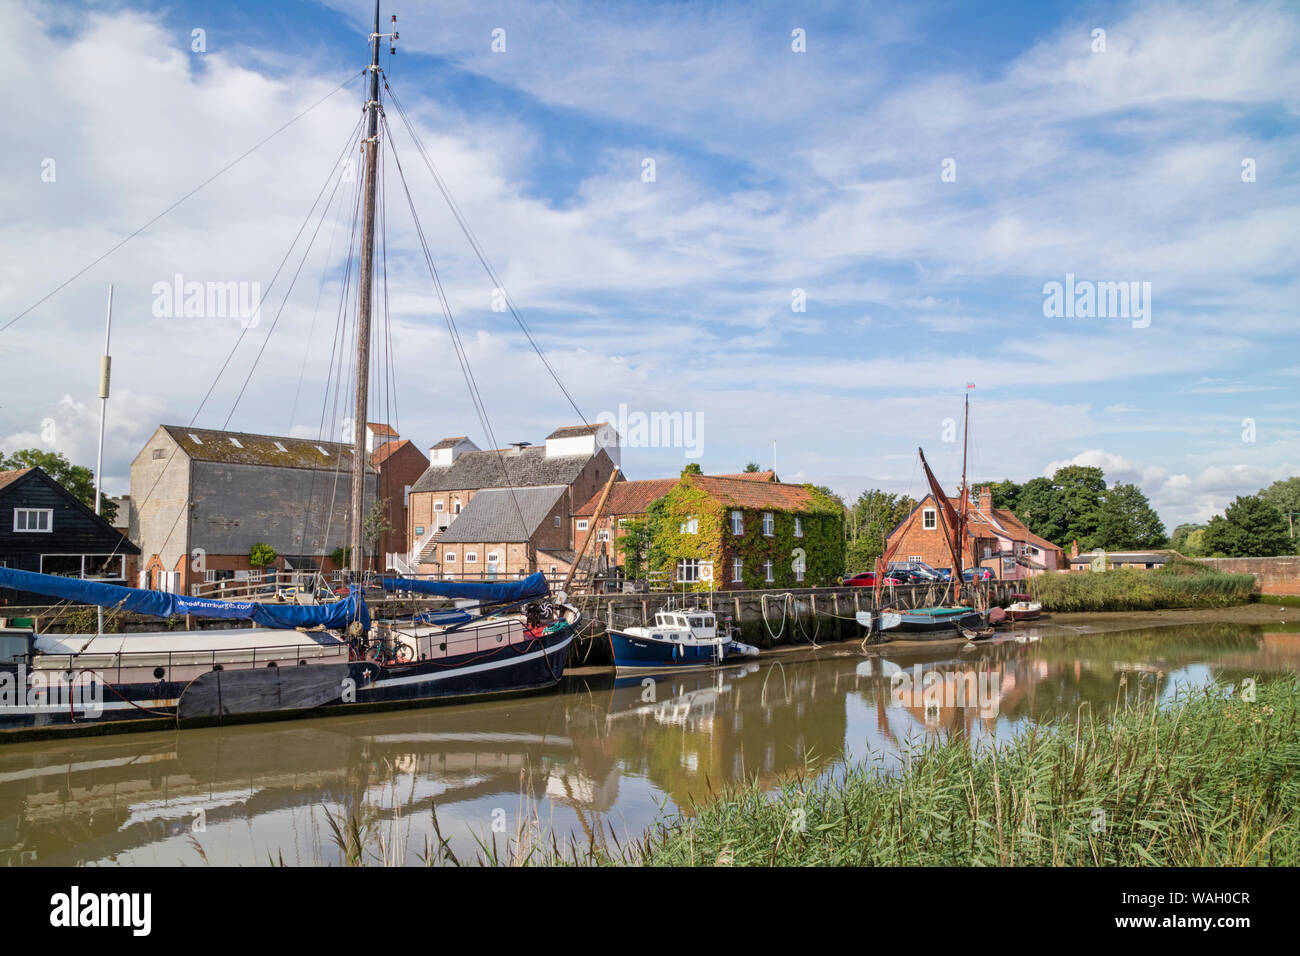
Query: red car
867	579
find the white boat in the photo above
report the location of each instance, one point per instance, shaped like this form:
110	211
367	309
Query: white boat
678	638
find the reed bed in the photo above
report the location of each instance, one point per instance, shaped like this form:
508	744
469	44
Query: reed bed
1213	780
1181	584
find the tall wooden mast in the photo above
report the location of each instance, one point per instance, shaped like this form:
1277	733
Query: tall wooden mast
361	409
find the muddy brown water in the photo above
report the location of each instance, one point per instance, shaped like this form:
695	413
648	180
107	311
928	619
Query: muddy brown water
596	755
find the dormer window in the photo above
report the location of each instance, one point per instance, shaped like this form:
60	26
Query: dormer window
235	441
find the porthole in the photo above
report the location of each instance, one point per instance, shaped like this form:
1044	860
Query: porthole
272	664
218	667
302	663
158	673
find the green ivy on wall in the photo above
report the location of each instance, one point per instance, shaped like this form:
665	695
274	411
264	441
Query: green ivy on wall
822	540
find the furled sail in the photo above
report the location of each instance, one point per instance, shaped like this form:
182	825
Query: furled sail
164	604
487	591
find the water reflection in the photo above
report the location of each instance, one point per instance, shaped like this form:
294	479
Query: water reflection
600	756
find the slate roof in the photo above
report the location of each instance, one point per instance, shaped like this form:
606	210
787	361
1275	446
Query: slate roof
210	444
491	516
529	467
628	497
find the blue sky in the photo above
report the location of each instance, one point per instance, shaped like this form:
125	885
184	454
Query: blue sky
775	170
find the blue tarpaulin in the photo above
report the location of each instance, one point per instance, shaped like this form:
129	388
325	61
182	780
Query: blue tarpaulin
487	591
164	604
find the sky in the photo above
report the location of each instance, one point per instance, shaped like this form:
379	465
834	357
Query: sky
804	228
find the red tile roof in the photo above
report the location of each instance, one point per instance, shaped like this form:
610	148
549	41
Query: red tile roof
8	477
628	497
378	429
751	476
387	450
744	493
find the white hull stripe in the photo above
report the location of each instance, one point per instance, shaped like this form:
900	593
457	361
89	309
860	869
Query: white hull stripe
469	668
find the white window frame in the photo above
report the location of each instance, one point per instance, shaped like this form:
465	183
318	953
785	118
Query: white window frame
767	571
437	506
691	525
688	570
798	527
455	509
493	557
737	523
769	525
449	557
929	519
406	496
471	557
25	512
737	570
602	534
582	524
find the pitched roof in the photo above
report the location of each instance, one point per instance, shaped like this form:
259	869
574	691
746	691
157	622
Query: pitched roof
491	515
243	448
390	448
526	467
380	429
628	497
574	431
9	477
1004	522
450	442
751	476
743	493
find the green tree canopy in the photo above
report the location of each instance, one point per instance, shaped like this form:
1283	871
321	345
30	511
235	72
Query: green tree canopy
752	467
1250	527
1182	538
1065	507
1127	520
261	554
693	469
77	479
871	518
1284	495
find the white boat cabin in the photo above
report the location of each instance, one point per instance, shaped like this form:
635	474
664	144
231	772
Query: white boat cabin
687	627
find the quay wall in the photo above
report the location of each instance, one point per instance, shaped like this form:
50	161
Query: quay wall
1280	575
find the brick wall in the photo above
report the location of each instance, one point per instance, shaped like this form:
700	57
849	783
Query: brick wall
1280	575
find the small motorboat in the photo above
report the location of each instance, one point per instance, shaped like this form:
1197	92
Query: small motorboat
678	638
1023	608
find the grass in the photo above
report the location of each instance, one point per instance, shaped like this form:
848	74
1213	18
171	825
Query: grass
1179	584
1211	780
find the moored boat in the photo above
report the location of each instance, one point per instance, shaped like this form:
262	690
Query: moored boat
1023	608
678	638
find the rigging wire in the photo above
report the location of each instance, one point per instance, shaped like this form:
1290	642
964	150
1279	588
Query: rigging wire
224	169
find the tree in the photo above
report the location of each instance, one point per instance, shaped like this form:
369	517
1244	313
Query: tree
1006	494
634	543
693	469
1181	539
77	479
341	556
1249	527
752	467
375	523
871	518
1195	546
1127	520
261	554
1040	507
1284	495
1065	507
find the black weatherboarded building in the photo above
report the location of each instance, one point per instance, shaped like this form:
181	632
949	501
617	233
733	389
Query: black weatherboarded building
44	528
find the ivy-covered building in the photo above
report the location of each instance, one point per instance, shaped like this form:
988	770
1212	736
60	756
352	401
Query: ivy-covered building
729	533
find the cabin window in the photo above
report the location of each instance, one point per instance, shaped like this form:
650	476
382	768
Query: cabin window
34	519
767	571
688	570
929	519
737	570
449	557
769	525
798	527
737	522
691	525
582	524
437	506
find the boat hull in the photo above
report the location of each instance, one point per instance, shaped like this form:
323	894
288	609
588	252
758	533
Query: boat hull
233	696
936	624
633	653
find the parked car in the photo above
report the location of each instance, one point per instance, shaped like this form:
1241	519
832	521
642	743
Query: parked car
911	576
973	574
867	579
919	568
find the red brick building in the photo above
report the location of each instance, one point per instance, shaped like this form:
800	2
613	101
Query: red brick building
399	464
995	539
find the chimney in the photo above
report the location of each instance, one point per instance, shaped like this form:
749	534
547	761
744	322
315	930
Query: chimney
1074	548
986	500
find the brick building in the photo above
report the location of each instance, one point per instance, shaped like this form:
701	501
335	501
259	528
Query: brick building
201	498
995	539
399	465
577	460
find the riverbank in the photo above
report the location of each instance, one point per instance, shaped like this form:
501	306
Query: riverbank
1211	780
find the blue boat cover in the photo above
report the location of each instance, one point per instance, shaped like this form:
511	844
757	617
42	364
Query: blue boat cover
488	591
164	604
444	618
